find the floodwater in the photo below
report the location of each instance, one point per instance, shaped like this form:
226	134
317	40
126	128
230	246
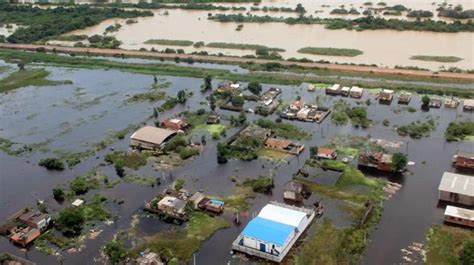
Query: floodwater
385	48
33	114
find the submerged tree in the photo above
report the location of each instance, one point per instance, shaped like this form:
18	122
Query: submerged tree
255	88
207	83
181	96
399	162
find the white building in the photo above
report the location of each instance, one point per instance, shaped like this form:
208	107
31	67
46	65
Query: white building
457	188
460	216
273	232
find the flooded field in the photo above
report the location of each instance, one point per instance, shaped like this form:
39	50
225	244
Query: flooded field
73	118
385	48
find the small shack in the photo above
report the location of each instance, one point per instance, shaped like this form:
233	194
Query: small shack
333	90
215	206
451	102
326	153
377	160
404	98
464	160
345	91
175	124
295	191
468	104
356	92
151	138
435	103
456	188
386	96
460	216
213	118
172	205
35	219
196	199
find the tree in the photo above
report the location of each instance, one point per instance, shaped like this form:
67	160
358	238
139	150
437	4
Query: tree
119	170
255	88
300	8
115	250
70	221
181	96
58	194
467	254
399	161
155	79
242	118
21	66
155	113
238	101
51	163
212	102
425	100
207	83
262	52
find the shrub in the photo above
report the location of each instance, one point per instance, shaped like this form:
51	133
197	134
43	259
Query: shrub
70	221
52	163
115	250
58	193
261	184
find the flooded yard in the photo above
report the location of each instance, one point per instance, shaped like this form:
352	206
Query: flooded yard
64	119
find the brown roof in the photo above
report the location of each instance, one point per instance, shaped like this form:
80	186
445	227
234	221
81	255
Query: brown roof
278	142
325	150
465	154
33	216
152	135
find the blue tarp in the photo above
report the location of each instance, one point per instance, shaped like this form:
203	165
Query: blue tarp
217	202
268	230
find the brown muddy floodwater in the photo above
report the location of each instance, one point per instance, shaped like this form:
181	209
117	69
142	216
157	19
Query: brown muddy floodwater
382	47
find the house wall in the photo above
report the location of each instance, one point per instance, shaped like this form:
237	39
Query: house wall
457	220
144	145
255	244
457	198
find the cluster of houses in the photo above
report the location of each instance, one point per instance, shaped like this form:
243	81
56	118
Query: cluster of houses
268	102
457	190
298	110
338	90
172	203
26	225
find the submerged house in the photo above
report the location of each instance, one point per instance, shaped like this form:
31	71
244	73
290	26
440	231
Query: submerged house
295	191
213	118
274	231
334	90
345	91
172	206
456	188
459	216
386	96
151	138
356	92
404	98
284	146
464	160
227	86
468	104
326	153
24	236
175	124
451	102
377	160
435	103
35	219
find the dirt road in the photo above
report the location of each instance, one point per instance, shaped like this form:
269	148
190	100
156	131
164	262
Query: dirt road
223	59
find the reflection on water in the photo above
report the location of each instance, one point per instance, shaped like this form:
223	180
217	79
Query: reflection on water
381	47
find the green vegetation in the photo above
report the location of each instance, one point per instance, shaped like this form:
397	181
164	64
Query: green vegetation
331	245
456	13
181	243
69	37
28	77
446	245
441	59
417	130
70	221
41	23
132	160
94	210
334	165
115	250
260	184
51	163
168	104
459	130
262	73
331	51
399	161
170	42
244	148
151	96
255	88
82	184
283	129
242	46
104	42
180	146
363	23
58	193
343	112
195	119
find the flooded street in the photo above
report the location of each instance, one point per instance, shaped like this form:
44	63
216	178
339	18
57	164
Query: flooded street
386	48
72	118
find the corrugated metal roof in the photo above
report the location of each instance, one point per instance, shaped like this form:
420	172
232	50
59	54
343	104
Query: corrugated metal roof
152	134
282	215
268	230
459	212
457	183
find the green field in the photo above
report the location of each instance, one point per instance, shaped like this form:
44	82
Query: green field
330	51
241	46
182	43
445	243
28	77
441	59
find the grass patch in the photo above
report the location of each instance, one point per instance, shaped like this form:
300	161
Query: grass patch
334	165
150	96
181	243
182	43
271	154
239	201
445	243
196	119
417	130
260	184
132	160
142	180
283	129
28	77
441	59
330	51
242	46
94	210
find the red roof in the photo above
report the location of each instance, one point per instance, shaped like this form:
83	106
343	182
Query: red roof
325	151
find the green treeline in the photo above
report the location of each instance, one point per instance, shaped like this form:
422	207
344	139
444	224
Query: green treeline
364	23
42	23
